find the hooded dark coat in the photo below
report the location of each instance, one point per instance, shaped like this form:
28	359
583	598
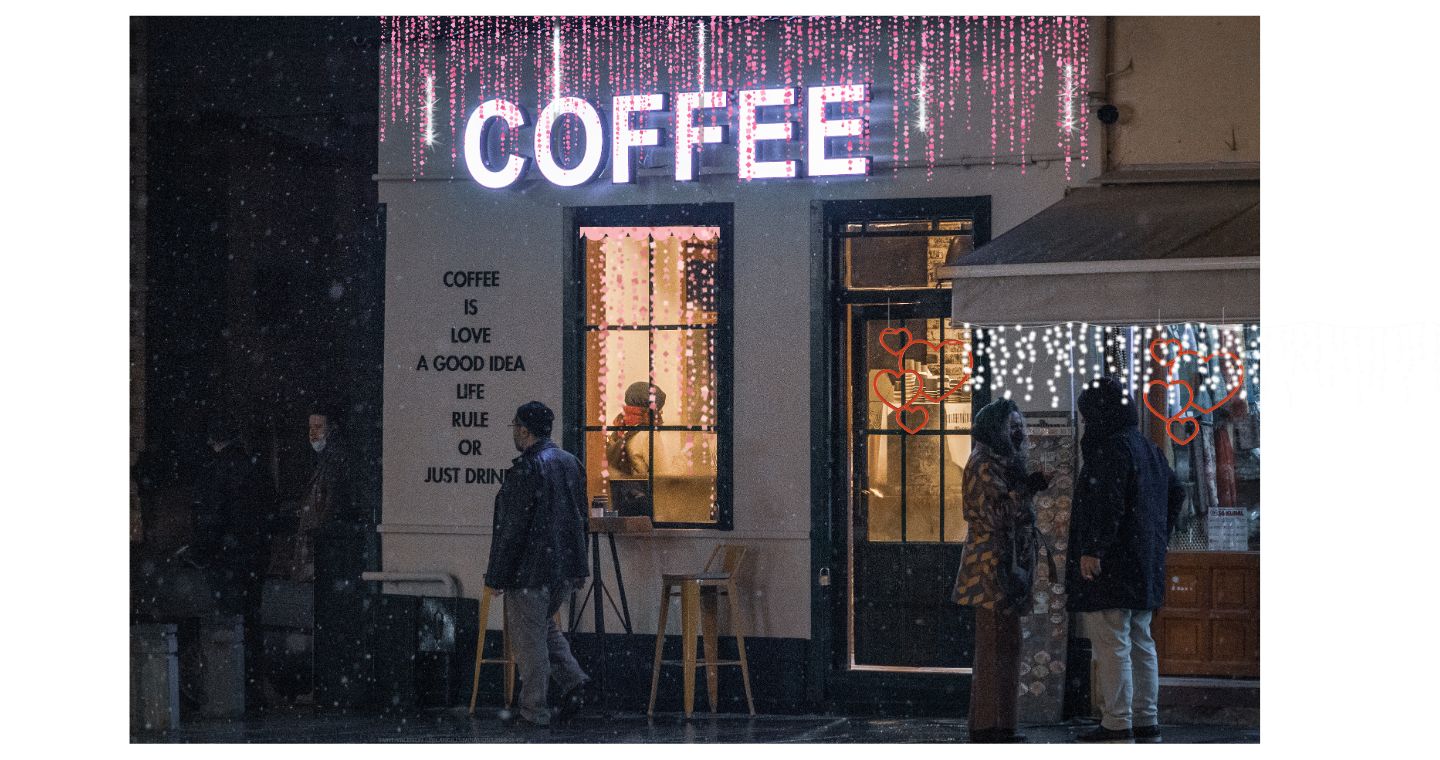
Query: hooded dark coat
1126	502
540	519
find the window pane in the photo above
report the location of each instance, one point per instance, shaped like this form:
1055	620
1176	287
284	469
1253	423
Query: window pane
617	279
898	262
1220	466
893	379
922	488
685	470
956	455
615	359
918	225
882	497
684	276
685	371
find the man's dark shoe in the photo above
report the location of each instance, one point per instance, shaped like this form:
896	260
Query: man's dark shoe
1103	734
513	719
1147	734
572	701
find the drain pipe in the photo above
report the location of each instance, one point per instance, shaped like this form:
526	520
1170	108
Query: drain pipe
452	586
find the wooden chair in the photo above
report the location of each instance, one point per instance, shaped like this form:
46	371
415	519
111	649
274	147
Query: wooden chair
699	602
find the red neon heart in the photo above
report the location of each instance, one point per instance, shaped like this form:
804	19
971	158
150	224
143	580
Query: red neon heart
1239	380
1161	343
1190	397
1191	422
900	418
969	367
896	352
898	374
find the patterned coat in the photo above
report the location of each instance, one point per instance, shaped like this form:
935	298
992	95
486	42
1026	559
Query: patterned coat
996	507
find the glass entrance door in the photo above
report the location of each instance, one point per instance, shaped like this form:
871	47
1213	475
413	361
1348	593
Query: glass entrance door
909	440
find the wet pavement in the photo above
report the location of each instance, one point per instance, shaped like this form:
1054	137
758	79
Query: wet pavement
454	726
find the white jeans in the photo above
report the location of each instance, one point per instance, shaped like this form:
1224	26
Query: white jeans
1127	669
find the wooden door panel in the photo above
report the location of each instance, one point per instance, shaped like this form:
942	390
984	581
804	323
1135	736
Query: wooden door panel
1231	588
1182	638
1210	624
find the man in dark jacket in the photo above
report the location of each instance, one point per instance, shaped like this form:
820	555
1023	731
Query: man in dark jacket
1126	502
537	555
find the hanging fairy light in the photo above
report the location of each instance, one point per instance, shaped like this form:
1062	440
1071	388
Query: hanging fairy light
955	68
555	61
429	124
700	55
920	95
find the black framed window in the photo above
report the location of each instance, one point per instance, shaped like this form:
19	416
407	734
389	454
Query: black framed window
651	348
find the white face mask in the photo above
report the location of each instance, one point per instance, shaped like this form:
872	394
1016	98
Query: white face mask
319	445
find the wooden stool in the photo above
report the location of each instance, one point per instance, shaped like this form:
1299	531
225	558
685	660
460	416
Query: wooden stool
507	657
699	602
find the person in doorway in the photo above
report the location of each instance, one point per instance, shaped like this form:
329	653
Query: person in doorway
234	508
997	567
627	450
1127	500
537	556
327	499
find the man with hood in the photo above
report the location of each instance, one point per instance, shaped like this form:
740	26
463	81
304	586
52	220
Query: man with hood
1127	500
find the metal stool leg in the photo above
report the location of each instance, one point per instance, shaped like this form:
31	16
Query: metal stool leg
710	629
509	655
738	624
659	646
689	617
480	646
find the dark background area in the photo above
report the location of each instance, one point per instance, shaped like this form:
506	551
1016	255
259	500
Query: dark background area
259	288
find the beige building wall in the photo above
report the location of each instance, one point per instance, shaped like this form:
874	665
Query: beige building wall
1188	90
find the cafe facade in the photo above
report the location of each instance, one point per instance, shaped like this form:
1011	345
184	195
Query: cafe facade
765	270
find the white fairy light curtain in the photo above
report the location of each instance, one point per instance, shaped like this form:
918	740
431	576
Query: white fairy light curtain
940	74
1215	363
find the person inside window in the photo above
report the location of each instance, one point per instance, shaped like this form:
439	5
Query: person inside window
627	450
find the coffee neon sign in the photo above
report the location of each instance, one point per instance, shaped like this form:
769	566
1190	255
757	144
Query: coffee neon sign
624	135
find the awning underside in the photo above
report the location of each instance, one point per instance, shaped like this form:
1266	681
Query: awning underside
1121	254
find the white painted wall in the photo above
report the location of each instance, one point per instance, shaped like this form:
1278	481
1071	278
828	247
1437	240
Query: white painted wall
1192	80
438	222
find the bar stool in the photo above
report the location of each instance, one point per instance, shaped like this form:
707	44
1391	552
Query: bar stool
507	657
699	601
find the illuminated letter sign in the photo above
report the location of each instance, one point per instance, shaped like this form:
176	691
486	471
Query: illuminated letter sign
476	130
752	132
594	142
820	128
623	137
688	137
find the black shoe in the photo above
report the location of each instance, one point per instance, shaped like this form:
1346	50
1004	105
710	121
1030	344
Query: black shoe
572	701
513	719
1147	734
996	736
1103	734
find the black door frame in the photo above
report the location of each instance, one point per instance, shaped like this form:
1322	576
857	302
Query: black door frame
830	685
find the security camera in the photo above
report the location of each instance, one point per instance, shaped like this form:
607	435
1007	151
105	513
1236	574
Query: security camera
1108	114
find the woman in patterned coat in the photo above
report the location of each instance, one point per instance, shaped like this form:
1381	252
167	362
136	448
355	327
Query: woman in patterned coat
997	568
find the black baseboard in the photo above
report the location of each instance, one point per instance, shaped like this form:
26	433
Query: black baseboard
777	673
